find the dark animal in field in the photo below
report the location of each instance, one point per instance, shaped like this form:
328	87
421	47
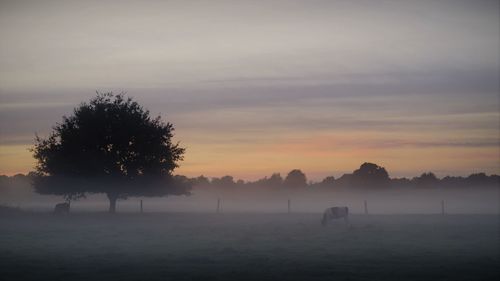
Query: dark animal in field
62	208
335	213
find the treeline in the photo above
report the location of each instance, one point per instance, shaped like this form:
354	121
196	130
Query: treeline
368	175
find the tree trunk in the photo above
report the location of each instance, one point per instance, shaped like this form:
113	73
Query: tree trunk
112	203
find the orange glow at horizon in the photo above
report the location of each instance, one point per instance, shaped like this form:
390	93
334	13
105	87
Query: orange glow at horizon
317	156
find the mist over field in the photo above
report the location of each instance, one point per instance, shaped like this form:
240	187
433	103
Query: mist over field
184	239
272	228
423	228
262	197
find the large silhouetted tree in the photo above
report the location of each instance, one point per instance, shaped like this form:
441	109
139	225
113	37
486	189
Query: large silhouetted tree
109	145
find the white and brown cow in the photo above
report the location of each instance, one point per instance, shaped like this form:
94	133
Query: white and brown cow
335	213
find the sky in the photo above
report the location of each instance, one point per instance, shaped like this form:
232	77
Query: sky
256	87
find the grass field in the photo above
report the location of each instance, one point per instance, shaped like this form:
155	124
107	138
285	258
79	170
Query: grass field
182	246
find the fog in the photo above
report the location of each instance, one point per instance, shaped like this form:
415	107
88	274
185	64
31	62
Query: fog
404	236
203	199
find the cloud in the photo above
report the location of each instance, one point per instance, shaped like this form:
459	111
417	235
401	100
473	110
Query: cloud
238	73
162	44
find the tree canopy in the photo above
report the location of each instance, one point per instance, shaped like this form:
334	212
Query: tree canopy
295	178
370	174
109	145
426	180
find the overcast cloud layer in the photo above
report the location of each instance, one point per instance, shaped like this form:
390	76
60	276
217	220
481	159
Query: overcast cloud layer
317	85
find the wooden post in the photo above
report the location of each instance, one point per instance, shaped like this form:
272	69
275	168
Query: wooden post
289	206
141	207
366	207
442	207
218	205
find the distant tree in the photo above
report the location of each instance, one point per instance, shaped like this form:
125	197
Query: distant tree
495	181
4	182
15	188
183	181
370	175
344	181
480	179
400	182
225	181
200	181
426	180
275	180
452	182
295	178
109	145
328	182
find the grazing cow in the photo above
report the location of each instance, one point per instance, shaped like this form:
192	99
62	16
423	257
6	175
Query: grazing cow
335	213
61	208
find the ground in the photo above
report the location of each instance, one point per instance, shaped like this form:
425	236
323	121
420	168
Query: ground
182	246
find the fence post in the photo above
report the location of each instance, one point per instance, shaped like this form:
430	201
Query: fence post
442	207
289	206
141	207
218	205
366	207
